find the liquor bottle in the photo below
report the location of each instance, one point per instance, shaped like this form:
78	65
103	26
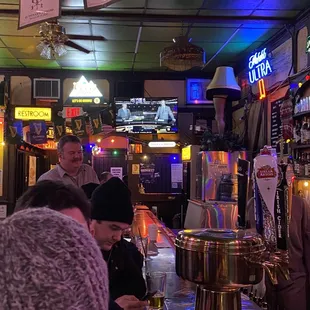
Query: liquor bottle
304	128
296	134
306	165
308	131
301	165
296	164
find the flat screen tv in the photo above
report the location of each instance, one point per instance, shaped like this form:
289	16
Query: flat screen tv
146	115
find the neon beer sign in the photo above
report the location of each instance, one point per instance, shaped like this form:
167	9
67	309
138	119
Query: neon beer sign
259	66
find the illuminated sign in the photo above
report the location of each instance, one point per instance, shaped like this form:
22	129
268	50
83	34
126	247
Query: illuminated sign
71	112
162	144
186	153
27	113
83	88
308	45
259	66
51	135
262	90
84	92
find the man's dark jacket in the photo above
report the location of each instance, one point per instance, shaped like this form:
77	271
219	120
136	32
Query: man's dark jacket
125	264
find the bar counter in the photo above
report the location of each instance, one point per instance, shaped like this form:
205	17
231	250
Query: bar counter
180	294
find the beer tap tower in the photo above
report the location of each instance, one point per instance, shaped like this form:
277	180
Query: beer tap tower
222	261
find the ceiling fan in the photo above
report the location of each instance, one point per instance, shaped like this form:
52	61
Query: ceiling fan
53	40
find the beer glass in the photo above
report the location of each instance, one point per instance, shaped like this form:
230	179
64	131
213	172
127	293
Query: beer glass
156	288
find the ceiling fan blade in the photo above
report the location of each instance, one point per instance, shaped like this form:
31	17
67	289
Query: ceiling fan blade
88	38
77	47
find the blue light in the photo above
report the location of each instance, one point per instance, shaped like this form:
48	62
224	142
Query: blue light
259	66
174	158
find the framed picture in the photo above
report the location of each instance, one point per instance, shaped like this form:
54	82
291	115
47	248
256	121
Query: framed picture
196	90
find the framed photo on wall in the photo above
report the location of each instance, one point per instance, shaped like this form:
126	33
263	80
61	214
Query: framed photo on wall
196	90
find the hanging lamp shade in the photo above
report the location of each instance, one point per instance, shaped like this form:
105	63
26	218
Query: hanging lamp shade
224	83
182	55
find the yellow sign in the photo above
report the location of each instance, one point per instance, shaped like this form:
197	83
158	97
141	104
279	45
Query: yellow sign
27	113
135	169
186	153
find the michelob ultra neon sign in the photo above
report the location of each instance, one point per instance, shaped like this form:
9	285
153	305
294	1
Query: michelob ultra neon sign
259	66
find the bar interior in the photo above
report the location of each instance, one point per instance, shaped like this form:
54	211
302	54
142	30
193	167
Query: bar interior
202	109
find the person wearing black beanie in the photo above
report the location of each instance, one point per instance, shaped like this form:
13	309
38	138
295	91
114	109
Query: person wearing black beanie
112	213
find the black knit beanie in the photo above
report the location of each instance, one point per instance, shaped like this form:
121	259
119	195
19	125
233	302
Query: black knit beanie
89	188
111	201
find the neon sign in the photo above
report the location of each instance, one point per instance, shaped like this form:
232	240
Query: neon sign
259	66
262	90
84	89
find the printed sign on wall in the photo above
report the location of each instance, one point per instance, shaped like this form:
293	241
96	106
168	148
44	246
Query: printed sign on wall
32	178
38	132
117	172
35	12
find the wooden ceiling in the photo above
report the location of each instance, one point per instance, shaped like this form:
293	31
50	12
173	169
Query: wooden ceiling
225	29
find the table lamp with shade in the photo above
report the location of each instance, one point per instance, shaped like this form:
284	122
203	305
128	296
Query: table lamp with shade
222	88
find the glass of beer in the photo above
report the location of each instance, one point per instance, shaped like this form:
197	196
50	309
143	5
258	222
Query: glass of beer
156	288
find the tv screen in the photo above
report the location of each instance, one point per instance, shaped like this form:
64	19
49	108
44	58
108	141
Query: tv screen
146	115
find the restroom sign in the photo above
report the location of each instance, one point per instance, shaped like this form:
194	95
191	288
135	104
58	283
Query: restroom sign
33	114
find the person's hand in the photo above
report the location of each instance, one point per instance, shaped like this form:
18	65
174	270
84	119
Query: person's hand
130	302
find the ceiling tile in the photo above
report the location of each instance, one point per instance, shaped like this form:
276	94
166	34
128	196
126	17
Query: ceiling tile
106	65
73	3
153	47
160	34
42	63
20	42
284	4
105	56
84	43
214	35
5	53
77	55
9	27
77	63
27	53
147	65
235	48
115	46
10	63
147	57
116	32
252	35
276	13
75	28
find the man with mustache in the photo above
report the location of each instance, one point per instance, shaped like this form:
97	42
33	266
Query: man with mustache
70	169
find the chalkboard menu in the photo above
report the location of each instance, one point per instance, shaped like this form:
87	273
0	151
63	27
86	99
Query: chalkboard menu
276	124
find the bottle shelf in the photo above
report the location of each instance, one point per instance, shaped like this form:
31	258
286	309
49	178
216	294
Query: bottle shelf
300	146
297	115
